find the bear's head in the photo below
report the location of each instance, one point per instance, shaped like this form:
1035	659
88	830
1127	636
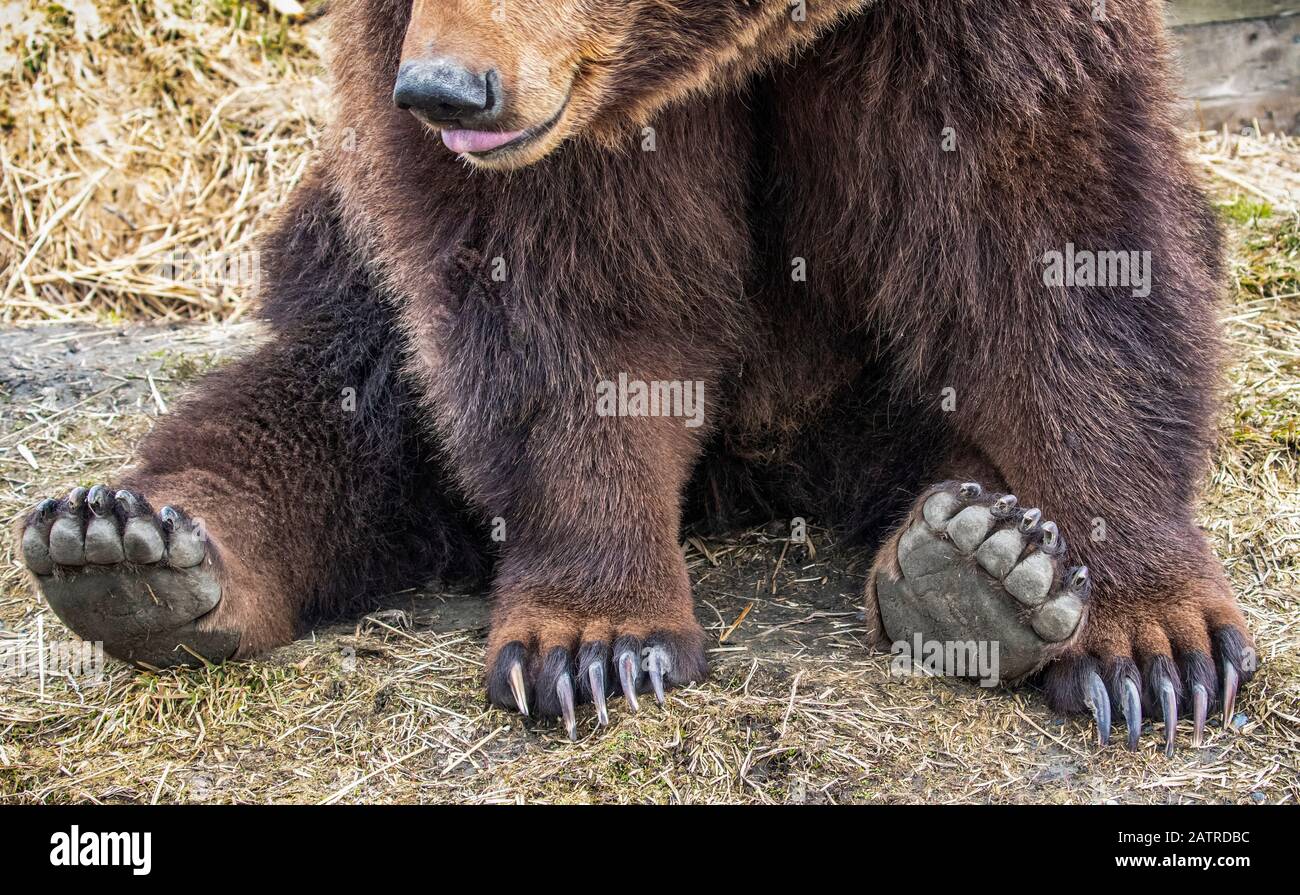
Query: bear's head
507	81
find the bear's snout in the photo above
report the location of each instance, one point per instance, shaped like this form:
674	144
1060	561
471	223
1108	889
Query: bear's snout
444	92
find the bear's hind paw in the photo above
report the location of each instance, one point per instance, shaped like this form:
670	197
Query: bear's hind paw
118	573
971	566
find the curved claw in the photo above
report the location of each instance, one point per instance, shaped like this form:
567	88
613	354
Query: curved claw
128	502
657	665
970	491
1029	521
1131	706
1169	702
1200	705
517	687
1097	699
1231	680
97	499
564	692
1004	505
596	677
1051	536
627	679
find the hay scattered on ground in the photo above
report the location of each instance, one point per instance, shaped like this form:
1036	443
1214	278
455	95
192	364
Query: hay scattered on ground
143	145
181	127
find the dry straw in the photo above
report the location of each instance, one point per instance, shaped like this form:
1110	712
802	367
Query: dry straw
136	134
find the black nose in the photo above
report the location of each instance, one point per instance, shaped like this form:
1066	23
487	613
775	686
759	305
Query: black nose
445	91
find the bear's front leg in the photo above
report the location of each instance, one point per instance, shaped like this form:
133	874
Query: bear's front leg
592	596
576	449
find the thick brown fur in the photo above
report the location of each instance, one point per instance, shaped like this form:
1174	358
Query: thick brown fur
775	143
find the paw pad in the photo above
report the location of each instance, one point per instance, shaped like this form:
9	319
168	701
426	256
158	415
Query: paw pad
976	567
1031	580
969	528
116	573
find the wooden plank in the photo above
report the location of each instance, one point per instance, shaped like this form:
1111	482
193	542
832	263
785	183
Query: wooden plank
1198	12
1235	72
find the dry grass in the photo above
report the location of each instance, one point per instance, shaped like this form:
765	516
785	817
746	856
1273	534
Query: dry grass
390	708
133	131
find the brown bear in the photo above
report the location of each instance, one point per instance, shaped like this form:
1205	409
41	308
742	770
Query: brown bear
884	244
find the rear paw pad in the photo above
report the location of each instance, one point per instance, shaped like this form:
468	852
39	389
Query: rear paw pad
116	572
976	567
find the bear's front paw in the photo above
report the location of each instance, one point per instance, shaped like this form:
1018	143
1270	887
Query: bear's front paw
545	657
118	573
1186	656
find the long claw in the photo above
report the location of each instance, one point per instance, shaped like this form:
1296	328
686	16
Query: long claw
1132	708
1004	505
596	677
97	498
627	679
517	687
1200	705
1051	536
657	664
1099	701
564	691
1169	701
1231	680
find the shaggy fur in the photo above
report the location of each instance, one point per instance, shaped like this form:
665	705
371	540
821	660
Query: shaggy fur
824	394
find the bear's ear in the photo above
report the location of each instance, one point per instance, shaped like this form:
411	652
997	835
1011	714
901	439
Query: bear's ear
672	54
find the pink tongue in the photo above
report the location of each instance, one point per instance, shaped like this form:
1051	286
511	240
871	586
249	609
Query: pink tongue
477	141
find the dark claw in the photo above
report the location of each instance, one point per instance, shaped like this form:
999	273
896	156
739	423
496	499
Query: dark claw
657	664
970	491
627	678
1051	536
1169	701
45	509
1132	709
564	691
1200	705
76	497
97	498
1230	682
596	677
1029	521
170	517
127	501
1079	578
1099	701
516	680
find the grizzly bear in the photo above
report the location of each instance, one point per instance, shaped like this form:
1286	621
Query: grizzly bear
884	244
